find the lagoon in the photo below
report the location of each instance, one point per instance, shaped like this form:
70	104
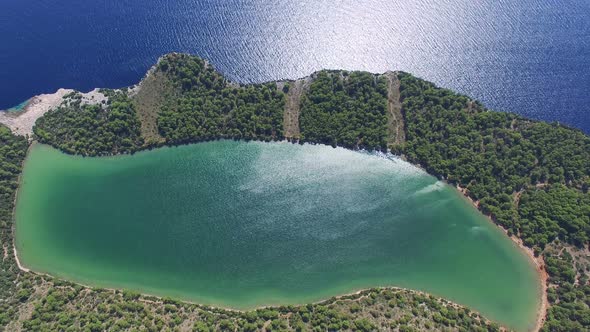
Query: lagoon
248	224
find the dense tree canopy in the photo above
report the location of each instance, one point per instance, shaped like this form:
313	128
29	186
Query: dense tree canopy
494	155
345	109
531	177
208	107
552	212
92	130
13	150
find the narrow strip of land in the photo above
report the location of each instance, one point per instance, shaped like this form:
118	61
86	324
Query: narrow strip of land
395	119
149	97
292	106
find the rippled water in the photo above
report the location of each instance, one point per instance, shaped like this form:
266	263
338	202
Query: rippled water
530	57
248	224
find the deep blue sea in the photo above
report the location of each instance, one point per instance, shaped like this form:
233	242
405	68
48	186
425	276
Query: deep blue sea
531	57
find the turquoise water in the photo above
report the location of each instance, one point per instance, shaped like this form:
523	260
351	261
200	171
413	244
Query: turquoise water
243	225
18	107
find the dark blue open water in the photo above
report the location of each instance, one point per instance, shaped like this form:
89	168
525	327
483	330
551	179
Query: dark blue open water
529	57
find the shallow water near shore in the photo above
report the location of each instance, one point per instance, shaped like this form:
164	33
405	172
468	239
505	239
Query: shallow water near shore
17	108
242	225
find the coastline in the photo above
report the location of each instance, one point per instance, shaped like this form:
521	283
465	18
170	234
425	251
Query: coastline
15	202
21	122
20	266
538	262
19	107
203	304
353	295
39	105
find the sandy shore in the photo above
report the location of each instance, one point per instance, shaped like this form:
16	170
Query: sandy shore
538	261
20	266
22	122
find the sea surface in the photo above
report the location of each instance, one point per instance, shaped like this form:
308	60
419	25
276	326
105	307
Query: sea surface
531	57
242	225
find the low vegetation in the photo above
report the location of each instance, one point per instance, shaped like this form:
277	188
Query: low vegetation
531	177
100	310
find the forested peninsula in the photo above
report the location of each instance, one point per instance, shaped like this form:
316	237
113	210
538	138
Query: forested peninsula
530	177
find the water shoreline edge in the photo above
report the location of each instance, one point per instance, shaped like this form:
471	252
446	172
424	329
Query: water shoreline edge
538	263
33	112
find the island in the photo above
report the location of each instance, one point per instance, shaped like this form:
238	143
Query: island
530	178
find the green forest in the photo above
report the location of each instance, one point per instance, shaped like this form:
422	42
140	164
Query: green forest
92	130
532	178
496	156
13	150
208	107
345	109
205	106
